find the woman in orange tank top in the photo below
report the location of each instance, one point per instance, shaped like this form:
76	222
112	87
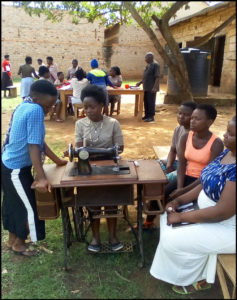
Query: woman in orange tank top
197	148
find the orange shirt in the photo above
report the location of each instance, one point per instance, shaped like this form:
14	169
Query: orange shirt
197	159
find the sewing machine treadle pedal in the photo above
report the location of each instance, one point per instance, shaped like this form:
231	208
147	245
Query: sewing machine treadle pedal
106	247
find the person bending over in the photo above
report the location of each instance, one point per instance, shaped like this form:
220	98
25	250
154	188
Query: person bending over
24	147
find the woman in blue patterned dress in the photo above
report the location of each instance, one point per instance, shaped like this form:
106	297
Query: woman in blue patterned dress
186	255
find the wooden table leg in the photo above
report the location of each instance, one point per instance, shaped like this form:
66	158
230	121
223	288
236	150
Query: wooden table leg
64	106
136	105
140	109
139	224
67	231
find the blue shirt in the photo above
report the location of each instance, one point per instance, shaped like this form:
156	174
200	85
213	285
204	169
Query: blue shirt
27	128
214	176
98	77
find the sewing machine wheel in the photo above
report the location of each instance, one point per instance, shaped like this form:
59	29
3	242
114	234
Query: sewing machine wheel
70	152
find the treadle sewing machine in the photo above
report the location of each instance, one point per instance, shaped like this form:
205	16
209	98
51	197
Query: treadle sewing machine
86	154
100	178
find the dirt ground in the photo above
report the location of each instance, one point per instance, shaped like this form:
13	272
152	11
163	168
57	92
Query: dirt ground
139	137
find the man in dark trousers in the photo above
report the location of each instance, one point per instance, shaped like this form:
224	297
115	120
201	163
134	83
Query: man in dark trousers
150	83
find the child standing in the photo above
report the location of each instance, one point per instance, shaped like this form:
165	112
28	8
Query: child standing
45	74
23	148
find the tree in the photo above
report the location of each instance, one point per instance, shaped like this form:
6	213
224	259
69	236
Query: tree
145	13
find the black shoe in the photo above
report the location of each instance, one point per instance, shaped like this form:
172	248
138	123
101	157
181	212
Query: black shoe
149	120
144	118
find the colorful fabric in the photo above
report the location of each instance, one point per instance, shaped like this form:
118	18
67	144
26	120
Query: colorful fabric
99	77
197	159
6	67
214	176
26	127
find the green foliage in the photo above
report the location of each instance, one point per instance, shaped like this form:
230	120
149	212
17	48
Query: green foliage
107	12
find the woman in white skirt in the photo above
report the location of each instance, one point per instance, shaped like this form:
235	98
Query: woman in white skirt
27	80
186	256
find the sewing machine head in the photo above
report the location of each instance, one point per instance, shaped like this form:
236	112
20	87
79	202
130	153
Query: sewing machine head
85	154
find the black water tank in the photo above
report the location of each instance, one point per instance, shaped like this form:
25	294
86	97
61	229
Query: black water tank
198	64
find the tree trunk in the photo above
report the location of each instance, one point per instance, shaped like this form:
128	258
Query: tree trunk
178	67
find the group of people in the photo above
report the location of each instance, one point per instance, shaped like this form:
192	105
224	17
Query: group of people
77	78
185	256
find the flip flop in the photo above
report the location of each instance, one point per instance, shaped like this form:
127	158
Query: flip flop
197	286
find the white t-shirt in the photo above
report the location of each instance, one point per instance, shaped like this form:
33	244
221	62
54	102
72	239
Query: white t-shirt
77	86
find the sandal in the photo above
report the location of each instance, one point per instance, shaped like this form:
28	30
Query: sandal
196	286
26	252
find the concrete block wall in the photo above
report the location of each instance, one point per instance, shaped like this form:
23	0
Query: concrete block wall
23	35
203	24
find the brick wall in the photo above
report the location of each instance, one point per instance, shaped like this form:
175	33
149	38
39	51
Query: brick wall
23	35
203	24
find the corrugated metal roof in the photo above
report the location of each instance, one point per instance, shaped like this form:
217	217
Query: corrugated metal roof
201	12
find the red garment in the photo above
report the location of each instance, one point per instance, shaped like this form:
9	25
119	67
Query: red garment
7	67
65	82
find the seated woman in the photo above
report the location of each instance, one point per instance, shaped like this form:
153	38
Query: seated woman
197	148
77	84
171	164
186	256
116	78
99	131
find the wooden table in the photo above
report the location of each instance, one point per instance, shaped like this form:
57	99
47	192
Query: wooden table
63	94
138	106
148	171
139	99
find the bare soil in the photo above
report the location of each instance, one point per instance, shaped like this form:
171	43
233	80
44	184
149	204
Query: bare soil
139	137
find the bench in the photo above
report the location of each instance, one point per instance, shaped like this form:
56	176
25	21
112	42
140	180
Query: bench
161	151
12	91
226	264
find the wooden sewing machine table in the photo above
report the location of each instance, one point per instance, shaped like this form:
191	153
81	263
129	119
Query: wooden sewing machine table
148	172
